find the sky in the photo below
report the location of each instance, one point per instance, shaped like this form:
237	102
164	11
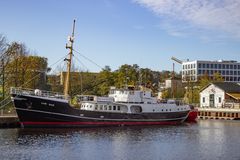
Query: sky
116	32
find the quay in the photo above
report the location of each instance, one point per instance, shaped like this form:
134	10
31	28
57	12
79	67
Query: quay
9	121
219	113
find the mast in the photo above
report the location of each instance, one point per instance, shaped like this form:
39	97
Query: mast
173	82
69	61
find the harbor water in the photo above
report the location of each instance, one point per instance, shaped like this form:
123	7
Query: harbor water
206	139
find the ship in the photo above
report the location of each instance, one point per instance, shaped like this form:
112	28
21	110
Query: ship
126	106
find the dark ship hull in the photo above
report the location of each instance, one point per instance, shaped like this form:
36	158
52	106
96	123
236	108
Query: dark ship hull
36	111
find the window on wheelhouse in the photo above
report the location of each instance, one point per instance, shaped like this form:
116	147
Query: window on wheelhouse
114	108
118	108
109	107
105	107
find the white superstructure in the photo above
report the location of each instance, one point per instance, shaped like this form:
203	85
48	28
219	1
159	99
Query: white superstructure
130	101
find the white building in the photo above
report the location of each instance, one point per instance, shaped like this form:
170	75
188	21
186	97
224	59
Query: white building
220	95
229	70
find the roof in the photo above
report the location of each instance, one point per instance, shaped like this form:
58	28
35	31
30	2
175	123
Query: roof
234	95
229	87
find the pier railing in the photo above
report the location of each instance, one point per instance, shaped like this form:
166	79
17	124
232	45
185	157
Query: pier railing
36	92
4	107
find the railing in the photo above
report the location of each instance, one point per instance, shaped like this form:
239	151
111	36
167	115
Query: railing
4	110
37	92
5	102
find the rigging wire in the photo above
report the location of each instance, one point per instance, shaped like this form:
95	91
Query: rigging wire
81	63
89	59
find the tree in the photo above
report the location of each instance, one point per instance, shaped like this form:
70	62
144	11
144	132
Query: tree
166	93
127	75
204	81
24	70
217	77
106	79
3	45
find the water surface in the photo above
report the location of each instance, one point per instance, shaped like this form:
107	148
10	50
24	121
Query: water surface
207	139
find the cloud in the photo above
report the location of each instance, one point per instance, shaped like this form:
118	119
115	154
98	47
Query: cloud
198	15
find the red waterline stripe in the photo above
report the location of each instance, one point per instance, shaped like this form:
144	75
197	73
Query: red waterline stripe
101	123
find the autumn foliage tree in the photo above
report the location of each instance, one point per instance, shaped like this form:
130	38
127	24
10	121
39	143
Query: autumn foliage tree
23	69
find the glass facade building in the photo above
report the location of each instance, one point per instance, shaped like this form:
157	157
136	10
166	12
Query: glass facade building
194	70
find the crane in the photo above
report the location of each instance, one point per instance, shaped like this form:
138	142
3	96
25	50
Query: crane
177	60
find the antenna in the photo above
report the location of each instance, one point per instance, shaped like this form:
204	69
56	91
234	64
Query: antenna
73	27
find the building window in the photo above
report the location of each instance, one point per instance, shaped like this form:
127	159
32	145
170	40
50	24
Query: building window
235	66
211	65
235	79
203	65
199	65
199	71
207	65
223	66
219	99
203	99
219	66
227	66
238	66
231	66
215	66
